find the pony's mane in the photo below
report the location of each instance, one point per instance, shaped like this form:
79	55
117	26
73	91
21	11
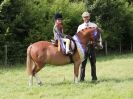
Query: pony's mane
85	29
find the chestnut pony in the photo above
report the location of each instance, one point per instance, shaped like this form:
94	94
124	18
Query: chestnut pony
44	52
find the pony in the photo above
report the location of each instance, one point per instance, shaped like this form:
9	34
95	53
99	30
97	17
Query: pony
43	52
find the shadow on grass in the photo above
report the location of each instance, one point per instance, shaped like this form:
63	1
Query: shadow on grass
114	80
60	83
91	82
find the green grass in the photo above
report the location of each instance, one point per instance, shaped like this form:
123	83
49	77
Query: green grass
115	81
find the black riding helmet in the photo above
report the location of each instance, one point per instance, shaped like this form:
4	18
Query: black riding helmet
58	16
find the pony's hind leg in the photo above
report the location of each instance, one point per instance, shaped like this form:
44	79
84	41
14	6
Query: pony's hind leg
30	73
38	81
35	70
30	80
30	64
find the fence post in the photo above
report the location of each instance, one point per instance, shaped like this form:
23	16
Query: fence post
106	48
120	47
131	47
5	63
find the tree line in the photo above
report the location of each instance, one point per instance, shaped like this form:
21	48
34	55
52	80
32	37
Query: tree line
28	21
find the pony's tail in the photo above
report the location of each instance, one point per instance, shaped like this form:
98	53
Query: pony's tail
29	61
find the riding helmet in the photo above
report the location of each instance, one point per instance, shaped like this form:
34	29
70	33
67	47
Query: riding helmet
58	16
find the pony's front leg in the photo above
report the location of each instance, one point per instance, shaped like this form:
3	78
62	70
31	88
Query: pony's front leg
76	71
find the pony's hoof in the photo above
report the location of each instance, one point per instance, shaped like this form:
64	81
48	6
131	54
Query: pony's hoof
40	84
30	84
76	81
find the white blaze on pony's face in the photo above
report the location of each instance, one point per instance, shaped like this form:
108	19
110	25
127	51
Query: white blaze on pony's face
99	44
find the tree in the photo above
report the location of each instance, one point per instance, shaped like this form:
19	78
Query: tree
115	18
10	12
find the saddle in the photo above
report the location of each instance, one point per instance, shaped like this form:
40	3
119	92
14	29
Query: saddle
72	45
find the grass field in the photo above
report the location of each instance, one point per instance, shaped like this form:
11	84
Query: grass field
115	81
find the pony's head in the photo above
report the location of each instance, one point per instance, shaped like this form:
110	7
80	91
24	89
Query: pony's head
91	34
97	39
